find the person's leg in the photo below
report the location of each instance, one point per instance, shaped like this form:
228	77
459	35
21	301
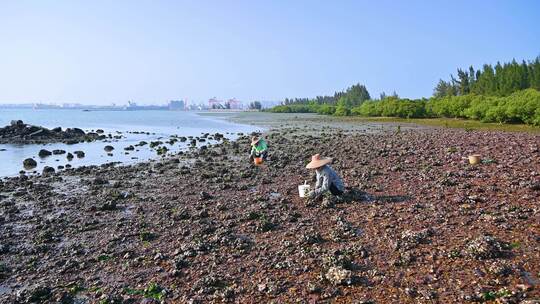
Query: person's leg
264	155
335	191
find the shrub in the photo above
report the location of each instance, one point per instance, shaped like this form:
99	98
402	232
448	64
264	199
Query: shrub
519	107
342	110
295	108
326	109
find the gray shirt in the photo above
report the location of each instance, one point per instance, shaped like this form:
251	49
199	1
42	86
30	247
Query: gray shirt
326	176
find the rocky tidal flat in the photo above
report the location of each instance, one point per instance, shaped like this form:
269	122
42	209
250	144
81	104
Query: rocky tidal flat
418	224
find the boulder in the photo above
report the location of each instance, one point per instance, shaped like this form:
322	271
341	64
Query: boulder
29	163
48	170
75	131
44	153
80	154
108	148
58	152
17	123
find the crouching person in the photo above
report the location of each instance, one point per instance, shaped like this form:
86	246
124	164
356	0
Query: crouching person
328	181
259	148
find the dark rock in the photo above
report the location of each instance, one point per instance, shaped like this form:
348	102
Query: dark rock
48	170
100	181
29	163
108	148
36	294
108	206
80	154
75	131
44	153
205	195
17	123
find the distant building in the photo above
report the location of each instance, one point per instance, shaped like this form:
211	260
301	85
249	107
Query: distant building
234	104
177	105
214	103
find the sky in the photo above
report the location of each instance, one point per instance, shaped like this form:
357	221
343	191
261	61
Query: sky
102	52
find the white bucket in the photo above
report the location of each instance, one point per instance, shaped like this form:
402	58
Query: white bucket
303	190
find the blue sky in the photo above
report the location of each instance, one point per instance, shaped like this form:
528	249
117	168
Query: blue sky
101	52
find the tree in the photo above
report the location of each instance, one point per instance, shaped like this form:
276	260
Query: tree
472	78
501	80
255	105
463	83
342	109
444	88
534	74
357	94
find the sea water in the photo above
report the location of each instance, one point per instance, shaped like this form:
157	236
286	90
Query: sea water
160	124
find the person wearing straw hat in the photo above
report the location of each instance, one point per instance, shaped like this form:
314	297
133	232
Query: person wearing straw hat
327	179
259	148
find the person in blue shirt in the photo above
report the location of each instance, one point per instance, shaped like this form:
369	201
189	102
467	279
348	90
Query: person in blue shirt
327	179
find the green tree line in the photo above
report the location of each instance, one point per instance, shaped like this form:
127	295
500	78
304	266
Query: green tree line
501	80
508	93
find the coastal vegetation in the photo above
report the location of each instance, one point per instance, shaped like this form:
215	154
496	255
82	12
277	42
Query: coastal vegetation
506	93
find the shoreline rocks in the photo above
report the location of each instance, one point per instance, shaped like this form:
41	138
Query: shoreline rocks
20	133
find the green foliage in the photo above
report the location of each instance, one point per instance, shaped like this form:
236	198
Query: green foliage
368	108
295	108
392	107
501	80
505	93
354	96
449	106
326	109
519	107
152	291
342	109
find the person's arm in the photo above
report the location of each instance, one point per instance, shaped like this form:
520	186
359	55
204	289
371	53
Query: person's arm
323	185
252	153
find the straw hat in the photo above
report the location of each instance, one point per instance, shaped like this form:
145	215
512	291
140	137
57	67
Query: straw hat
255	140
317	162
